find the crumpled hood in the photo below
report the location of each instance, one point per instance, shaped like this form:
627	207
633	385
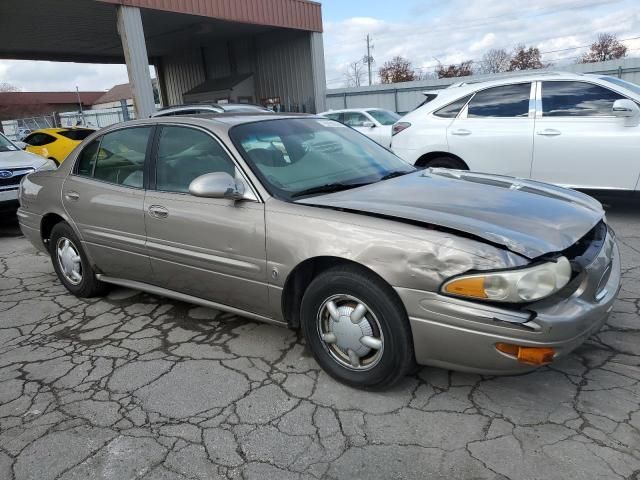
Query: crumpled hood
527	217
19	159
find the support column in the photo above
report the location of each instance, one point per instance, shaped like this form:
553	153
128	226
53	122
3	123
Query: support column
317	68
135	54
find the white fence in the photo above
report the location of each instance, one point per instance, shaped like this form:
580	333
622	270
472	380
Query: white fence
96	118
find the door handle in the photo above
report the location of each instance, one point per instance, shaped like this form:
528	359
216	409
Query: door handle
72	195
158	211
549	132
462	132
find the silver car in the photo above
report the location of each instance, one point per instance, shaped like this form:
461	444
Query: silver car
303	222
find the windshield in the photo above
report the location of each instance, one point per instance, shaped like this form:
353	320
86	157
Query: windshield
622	83
6	145
294	156
384	117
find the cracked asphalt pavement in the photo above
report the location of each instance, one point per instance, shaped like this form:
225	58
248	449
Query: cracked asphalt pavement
138	386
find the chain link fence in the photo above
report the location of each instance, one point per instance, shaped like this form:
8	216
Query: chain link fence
99	118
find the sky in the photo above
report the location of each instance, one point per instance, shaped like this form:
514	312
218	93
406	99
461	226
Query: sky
425	32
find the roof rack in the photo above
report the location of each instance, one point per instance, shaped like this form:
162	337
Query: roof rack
524	73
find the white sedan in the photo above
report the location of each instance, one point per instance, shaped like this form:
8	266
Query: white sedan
578	131
375	123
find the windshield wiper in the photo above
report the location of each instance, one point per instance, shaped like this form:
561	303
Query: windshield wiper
397	173
328	188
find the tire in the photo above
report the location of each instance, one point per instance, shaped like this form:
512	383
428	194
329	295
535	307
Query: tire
87	285
385	320
446	162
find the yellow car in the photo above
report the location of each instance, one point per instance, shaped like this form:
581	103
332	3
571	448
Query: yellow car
55	143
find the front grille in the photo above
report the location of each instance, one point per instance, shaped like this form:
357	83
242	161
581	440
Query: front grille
17	175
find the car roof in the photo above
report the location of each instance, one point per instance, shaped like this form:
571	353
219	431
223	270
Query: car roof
359	110
216	122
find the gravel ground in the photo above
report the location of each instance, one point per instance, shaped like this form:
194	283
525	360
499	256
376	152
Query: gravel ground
136	386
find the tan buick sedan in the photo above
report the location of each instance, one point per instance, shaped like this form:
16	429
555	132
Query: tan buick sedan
304	222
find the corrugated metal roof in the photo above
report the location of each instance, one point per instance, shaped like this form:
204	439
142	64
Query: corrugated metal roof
298	14
47	98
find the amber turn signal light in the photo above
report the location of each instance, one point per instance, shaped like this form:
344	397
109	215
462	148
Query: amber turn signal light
530	355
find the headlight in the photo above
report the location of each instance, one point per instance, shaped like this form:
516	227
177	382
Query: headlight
47	165
514	286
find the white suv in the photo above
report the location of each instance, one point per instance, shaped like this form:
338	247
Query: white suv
578	131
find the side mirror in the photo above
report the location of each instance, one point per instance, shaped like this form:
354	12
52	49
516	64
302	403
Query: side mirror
368	124
21	145
217	185
628	110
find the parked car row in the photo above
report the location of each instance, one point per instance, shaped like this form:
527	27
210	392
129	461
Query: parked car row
304	222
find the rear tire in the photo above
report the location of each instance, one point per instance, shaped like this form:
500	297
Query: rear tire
446	162
371	353
71	263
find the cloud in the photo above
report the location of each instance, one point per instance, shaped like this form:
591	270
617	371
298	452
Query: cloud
460	30
57	76
487	41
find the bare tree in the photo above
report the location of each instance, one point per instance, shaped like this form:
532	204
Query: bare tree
355	74
7	87
462	69
496	60
606	47
397	70
524	58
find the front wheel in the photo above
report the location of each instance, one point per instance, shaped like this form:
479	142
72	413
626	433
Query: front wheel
357	328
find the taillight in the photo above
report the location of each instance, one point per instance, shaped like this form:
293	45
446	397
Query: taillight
398	127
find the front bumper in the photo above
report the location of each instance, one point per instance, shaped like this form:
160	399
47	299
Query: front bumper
9	199
461	335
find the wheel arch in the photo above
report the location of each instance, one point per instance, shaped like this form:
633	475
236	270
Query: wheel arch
47	223
303	274
427	157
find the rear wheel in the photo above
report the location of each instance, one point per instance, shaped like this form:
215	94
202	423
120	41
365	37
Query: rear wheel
357	328
71	263
446	162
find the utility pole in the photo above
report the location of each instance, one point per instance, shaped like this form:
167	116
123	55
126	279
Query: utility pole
80	104
369	58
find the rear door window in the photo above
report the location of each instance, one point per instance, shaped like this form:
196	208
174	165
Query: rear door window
87	159
577	99
505	101
121	157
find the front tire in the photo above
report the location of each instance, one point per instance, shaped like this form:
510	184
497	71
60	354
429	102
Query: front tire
357	328
71	263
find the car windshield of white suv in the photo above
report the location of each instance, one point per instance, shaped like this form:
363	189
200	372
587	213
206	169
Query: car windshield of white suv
6	145
384	117
299	157
622	83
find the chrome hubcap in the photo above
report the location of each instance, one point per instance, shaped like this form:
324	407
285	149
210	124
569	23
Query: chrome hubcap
69	260
350	332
